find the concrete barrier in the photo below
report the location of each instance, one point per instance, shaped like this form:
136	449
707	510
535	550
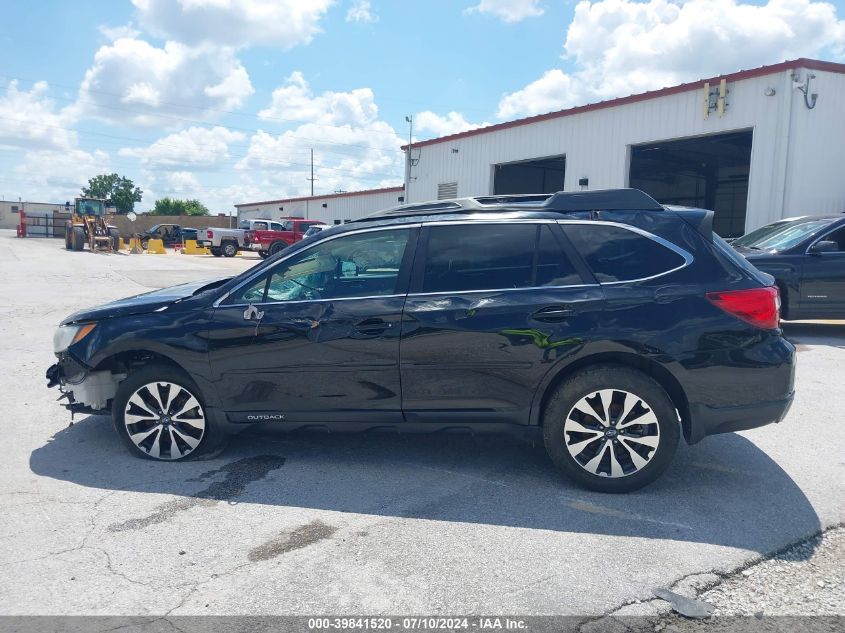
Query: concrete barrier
191	248
131	243
155	247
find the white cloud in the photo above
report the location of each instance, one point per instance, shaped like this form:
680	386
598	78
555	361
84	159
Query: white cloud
508	10
361	11
353	148
622	47
58	175
278	23
294	101
437	125
133	82
29	119
195	147
113	33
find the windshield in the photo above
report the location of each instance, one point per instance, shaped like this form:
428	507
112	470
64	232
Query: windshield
154	228
760	233
784	236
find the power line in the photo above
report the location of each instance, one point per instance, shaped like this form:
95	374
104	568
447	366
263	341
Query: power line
370	129
260	157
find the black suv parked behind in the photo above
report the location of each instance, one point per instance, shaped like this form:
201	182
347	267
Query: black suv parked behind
604	320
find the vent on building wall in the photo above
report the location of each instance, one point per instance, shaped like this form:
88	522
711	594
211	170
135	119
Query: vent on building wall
446	190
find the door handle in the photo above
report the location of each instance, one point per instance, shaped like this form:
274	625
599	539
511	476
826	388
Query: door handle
372	326
553	314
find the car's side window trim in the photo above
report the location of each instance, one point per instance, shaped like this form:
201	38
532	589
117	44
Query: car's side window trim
687	257
402	279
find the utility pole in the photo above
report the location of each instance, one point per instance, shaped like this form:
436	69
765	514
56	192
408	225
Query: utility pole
408	160
312	179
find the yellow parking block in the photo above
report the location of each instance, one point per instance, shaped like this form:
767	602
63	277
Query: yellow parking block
155	247
191	248
131	243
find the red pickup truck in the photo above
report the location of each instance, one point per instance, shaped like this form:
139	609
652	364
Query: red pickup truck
269	242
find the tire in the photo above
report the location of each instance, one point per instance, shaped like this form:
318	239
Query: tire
77	238
215	250
145	243
641	451
173	435
275	247
263	254
114	234
229	249
68	236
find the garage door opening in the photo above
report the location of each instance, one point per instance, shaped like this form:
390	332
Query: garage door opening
532	176
709	172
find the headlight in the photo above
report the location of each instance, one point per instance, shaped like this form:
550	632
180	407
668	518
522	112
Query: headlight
67	335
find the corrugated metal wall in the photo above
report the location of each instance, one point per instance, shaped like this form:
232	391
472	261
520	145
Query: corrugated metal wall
796	164
349	207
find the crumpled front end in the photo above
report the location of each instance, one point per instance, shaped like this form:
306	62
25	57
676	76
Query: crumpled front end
84	390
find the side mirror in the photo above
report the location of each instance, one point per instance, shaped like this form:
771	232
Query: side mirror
824	246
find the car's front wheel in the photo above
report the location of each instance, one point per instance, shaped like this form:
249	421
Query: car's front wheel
159	413
611	428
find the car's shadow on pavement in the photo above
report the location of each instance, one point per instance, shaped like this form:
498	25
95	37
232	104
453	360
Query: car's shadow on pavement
723	491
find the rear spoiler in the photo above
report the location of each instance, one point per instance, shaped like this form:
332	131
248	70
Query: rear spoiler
700	219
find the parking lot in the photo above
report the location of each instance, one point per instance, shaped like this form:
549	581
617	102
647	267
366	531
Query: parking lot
318	524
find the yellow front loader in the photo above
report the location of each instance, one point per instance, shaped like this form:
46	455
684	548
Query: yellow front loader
89	224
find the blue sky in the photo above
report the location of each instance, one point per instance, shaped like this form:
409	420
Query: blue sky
222	100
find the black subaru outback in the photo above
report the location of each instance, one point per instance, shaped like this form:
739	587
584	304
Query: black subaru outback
607	322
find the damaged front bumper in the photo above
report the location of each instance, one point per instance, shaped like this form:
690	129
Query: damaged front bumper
84	390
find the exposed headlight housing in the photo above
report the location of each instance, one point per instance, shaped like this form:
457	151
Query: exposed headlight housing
67	335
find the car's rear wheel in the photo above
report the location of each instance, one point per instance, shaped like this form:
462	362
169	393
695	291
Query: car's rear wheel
275	247
229	249
611	428
160	414
215	250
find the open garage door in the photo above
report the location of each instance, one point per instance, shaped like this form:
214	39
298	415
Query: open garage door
531	176
710	172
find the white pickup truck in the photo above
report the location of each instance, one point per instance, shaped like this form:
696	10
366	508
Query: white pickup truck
227	242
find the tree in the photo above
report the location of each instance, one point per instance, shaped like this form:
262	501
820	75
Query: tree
119	191
172	206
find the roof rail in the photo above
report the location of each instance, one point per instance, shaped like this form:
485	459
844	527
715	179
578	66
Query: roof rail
522	198
603	200
562	201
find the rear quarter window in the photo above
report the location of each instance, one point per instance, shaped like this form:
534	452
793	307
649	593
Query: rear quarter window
615	253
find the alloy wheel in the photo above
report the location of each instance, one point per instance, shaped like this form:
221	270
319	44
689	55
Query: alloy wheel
164	420
612	433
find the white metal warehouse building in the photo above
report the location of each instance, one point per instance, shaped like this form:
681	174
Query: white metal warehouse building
751	145
756	146
332	208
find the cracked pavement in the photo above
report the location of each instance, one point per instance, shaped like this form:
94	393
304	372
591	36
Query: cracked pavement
328	524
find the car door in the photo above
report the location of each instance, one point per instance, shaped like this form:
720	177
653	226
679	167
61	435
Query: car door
492	307
316	336
823	279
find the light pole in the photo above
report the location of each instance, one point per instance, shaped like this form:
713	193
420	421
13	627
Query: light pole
410	121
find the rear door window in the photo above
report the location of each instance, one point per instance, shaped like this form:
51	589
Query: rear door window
615	253
465	257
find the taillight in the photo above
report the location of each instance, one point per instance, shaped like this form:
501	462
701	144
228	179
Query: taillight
758	306
209	234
